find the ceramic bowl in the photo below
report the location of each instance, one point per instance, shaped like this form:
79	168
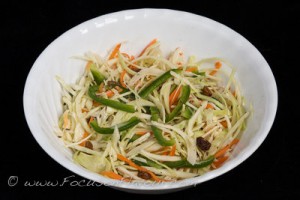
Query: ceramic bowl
195	34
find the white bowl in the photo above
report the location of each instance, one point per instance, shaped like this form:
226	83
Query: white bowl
196	35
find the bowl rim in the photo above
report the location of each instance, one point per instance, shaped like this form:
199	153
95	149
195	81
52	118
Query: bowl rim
54	154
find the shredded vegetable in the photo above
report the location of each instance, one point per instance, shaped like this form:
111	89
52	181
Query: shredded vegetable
150	118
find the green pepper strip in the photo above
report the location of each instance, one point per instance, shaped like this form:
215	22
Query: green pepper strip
160	138
122	126
148	163
154	113
199	73
173	88
157	132
185	163
110	103
98	77
185	94
134	138
187	113
157	82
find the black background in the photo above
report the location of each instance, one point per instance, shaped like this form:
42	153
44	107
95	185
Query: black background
272	172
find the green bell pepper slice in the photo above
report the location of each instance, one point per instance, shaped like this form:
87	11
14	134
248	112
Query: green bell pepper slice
122	126
108	102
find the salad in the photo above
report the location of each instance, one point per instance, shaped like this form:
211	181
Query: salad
152	117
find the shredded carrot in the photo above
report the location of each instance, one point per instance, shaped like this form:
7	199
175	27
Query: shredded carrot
110	93
132	164
191	69
91	119
221	152
85	134
134	68
101	87
115	51
88	65
234	93
84	110
220	161
224	123
174	96
148	45
66	123
95	103
218	65
122	78
213	72
129	162
142	132
173	149
209	106
113	175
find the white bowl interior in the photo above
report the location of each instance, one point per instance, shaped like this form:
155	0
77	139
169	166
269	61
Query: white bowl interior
196	35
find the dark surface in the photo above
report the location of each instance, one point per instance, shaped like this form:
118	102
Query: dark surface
272	172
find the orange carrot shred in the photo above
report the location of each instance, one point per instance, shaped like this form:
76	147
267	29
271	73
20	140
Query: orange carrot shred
148	45
113	175
173	150
84	110
191	69
221	152
66	120
224	123
122	78
110	93
95	103
129	162
115	51
142	132
85	134
220	161
218	65
174	96
234	93
91	119
209	106
213	72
